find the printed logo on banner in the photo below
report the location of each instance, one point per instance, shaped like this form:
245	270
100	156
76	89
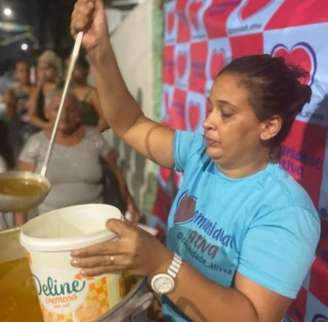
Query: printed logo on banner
303	157
303	45
219	54
182	65
301	54
195	112
196	11
198	55
251	16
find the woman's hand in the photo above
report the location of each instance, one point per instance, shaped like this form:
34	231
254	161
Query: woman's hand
135	251
89	16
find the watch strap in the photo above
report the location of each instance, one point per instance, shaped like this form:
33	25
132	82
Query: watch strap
174	266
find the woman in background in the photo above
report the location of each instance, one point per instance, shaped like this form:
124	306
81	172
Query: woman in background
87	96
75	169
48	79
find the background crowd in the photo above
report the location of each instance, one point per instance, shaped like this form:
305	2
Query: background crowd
82	161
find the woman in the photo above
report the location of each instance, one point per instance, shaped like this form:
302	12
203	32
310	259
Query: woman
240	228
87	96
75	168
48	80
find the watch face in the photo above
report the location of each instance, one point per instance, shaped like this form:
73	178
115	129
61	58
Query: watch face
162	283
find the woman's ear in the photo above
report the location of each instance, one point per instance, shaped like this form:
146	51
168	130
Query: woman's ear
270	127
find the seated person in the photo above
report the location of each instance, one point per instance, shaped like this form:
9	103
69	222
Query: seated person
75	168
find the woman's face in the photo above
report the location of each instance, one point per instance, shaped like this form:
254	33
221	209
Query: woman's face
46	72
79	74
231	129
70	119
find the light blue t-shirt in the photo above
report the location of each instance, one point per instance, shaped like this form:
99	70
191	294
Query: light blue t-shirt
263	226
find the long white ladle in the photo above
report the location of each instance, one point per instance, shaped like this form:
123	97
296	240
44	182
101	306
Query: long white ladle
74	56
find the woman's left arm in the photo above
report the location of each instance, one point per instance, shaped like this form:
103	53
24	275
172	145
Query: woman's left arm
198	297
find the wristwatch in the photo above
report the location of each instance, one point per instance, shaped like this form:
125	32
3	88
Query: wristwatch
164	283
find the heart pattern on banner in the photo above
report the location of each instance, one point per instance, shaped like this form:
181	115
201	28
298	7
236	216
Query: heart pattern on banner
193	115
181	64
251	7
170	17
193	12
217	63
301	55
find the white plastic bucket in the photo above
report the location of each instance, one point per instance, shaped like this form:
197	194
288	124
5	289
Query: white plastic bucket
64	295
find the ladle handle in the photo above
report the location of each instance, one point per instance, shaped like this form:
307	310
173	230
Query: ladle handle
74	56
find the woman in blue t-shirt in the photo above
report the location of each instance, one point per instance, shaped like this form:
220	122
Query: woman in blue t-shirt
241	232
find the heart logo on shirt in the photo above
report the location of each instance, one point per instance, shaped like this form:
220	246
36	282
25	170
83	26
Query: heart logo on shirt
300	55
185	210
181	64
252	7
217	63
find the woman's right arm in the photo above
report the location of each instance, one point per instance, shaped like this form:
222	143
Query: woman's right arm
120	109
32	110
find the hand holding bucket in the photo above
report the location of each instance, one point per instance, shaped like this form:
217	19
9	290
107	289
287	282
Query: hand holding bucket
63	292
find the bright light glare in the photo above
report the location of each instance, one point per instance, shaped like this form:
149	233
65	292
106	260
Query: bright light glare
24	46
7	12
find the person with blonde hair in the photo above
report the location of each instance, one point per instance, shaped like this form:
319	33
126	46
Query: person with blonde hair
49	71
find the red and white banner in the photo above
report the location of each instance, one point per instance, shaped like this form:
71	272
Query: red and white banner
200	38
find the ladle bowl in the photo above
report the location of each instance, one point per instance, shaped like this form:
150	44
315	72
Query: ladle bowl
37	187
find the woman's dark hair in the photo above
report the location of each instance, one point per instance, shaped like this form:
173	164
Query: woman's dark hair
274	89
6	150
